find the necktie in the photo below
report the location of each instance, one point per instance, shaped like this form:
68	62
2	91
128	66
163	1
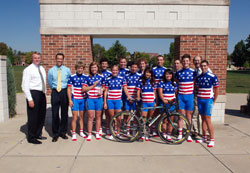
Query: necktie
43	83
59	88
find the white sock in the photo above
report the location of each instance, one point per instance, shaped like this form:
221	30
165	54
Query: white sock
89	137
74	136
100	132
169	137
189	139
164	135
97	136
82	134
211	143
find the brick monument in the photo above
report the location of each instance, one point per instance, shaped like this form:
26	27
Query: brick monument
199	27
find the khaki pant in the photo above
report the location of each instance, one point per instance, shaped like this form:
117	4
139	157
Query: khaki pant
195	117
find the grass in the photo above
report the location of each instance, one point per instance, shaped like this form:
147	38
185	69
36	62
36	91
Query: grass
238	81
18	74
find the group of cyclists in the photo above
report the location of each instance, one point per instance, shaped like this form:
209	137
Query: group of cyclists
109	92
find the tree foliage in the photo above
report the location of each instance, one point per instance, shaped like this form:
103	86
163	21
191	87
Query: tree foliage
239	54
3	48
98	52
28	59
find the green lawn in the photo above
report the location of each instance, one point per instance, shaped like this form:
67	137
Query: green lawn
238	81
18	73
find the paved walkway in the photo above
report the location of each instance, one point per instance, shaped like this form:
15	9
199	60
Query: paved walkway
231	153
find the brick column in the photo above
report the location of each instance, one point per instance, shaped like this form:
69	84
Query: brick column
214	49
74	47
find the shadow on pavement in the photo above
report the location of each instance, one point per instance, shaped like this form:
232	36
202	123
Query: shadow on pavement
236	113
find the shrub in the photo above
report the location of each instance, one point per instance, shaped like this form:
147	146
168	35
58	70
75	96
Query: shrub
11	89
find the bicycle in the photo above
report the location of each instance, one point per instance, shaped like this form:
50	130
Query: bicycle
126	126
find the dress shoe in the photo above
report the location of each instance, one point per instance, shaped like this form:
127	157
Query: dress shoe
41	138
55	138
64	136
34	141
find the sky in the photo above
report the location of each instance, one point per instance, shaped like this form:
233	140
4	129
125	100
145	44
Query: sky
20	28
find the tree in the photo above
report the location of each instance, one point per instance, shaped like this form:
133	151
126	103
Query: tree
246	65
27	57
3	48
239	54
98	52
115	52
248	48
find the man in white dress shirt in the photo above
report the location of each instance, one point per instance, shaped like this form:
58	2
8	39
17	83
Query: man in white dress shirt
34	88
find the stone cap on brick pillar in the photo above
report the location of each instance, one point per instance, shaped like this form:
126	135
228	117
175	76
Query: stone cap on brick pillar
142	2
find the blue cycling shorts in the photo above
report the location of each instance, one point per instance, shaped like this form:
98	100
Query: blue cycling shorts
95	104
171	109
205	106
78	104
186	102
114	104
147	105
130	106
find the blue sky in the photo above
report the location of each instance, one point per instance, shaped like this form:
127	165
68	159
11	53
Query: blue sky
20	24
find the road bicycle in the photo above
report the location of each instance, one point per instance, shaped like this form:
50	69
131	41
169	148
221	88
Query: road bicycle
129	126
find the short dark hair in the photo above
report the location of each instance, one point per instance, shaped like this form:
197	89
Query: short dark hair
114	66
122	58
60	54
160	56
204	61
134	63
79	64
103	60
186	56
142	60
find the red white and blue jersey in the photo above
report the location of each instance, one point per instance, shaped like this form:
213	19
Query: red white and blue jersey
147	91
132	80
75	81
94	92
158	73
185	78
205	82
168	89
123	72
106	74
115	85
140	72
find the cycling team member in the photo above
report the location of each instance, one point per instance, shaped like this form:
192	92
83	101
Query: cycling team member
167	89
177	65
77	98
123	70
146	87
206	83
113	93
142	63
94	86
185	80
106	73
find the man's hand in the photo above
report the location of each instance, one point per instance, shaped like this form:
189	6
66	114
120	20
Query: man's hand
96	82
105	106
165	101
31	104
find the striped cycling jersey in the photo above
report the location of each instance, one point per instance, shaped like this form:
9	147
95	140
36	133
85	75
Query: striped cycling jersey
168	90
147	91
75	81
115	85
94	92
185	78
123	72
158	73
205	83
132	80
106	74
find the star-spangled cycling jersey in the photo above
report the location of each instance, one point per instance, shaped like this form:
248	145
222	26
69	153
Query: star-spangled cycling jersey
140	72
147	91
186	80
158	73
94	92
168	89
123	72
75	81
205	82
106	74
132	80
115	85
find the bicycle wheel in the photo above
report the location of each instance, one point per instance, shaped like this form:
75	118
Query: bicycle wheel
168	128
125	127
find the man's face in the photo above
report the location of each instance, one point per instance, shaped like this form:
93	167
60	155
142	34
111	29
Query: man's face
79	70
204	67
36	59
177	65
160	61
59	60
142	65
134	68
186	63
104	65
123	63
197	61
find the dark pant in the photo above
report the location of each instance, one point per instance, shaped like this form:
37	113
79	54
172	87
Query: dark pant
36	115
59	100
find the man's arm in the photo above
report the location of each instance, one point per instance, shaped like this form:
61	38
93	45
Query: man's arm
26	88
69	93
216	93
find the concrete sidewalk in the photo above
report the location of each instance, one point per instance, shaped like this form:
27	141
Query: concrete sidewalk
231	153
